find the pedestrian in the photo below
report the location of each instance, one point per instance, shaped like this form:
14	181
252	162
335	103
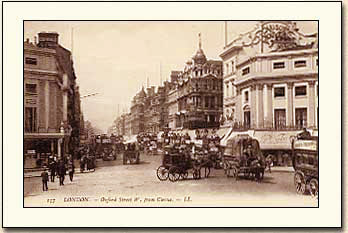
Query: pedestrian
71	170
44	176
53	169
61	172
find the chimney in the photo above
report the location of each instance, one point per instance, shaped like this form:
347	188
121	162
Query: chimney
48	39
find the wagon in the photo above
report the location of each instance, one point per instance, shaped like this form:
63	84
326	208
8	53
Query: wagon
242	156
177	164
305	163
131	155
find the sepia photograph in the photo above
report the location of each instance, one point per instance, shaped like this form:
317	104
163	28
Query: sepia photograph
171	113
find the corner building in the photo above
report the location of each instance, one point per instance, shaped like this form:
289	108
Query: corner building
51	99
195	94
271	78
271	85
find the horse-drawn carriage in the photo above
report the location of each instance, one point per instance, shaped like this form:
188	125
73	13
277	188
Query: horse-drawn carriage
243	156
178	162
131	154
305	162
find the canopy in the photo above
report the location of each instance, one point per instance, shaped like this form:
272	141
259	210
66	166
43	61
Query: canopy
132	139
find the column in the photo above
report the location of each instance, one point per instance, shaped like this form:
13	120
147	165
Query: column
290	107
59	148
238	112
311	104
253	106
65	97
52	146
259	109
268	106
47	104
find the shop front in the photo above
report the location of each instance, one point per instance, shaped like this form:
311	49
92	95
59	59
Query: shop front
38	147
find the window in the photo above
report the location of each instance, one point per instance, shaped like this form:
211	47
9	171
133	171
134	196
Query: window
301	117
31	61
300	91
301	63
227	70
278	65
206	101
30	88
279	118
317	62
279	92
246	71
30	120
232	67
246	96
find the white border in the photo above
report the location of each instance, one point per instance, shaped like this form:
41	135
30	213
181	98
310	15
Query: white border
329	213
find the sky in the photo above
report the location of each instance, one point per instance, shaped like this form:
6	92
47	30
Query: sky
115	59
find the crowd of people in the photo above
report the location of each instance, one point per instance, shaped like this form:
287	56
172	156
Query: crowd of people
58	167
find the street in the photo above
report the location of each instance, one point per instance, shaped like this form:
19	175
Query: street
116	185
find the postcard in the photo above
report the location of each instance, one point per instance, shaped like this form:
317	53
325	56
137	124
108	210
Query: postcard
165	116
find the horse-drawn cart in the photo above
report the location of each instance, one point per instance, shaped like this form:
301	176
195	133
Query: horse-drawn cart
177	163
131	154
243	156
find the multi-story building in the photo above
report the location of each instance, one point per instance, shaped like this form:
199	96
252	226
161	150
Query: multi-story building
51	98
271	80
195	94
137	112
127	124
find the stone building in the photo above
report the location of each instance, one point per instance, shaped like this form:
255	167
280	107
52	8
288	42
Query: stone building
52	110
137	112
195	94
271	85
271	78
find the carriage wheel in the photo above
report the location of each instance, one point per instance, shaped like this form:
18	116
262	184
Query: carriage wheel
162	173
300	184
174	174
314	187
184	175
195	174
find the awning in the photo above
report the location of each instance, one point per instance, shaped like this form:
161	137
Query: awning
132	139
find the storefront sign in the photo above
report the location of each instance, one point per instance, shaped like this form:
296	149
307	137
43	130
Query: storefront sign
305	144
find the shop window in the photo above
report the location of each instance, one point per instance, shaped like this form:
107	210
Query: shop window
279	92
30	120
246	71
301	91
30	61
278	65
279	118
300	63
30	88
301	117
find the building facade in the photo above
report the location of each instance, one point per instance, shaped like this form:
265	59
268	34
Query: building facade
51	98
195	95
271	78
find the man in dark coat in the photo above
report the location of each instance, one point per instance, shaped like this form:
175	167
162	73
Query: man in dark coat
61	172
53	169
44	176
